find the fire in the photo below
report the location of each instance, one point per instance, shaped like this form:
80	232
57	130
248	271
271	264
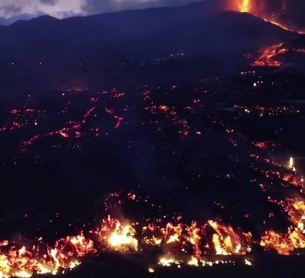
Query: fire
164	261
181	237
180	243
228	242
247	262
293	180
267	56
296	211
276	241
261	145
259	9
123	236
25	262
193	261
285	244
117	235
245	6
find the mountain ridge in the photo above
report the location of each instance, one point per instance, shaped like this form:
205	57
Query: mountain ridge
138	34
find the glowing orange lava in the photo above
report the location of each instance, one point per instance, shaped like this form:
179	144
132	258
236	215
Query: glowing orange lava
245	6
286	243
179	243
258	9
267	56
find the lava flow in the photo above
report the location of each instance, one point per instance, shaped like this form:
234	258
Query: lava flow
267	56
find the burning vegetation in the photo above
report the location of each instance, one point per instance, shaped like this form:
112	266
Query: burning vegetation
130	221
286	243
178	243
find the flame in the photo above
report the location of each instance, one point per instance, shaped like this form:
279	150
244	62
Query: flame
293	180
257	8
285	244
267	56
117	235
25	262
193	261
181	243
245	6
228	242
164	261
247	262
123	236
261	145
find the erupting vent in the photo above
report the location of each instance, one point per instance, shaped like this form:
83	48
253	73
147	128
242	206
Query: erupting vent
270	12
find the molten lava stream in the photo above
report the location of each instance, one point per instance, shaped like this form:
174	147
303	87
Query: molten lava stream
258	9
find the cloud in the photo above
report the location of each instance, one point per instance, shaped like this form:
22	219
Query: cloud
10	9
48	2
24	9
98	6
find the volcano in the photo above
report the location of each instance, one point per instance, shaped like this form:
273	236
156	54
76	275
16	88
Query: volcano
103	50
191	29
284	13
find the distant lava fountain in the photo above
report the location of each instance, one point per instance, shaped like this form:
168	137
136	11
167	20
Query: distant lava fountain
263	9
244	6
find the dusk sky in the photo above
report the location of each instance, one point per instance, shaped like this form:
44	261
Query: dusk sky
12	10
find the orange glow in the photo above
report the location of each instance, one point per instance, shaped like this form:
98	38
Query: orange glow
245	6
267	56
257	9
227	242
114	234
261	145
24	262
284	244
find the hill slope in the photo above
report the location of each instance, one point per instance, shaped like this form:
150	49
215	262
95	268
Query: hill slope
296	43
137	34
